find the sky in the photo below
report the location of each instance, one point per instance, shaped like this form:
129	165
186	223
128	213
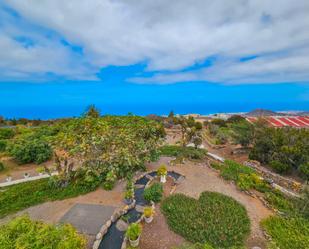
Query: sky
190	56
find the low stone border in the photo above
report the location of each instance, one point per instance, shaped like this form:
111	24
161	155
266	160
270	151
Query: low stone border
115	216
28	179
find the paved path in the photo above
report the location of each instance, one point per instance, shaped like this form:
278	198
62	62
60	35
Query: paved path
88	218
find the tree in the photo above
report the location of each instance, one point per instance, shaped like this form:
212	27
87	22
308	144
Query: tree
242	133
92	111
304	170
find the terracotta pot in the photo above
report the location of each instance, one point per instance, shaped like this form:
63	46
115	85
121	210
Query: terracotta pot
134	243
9	178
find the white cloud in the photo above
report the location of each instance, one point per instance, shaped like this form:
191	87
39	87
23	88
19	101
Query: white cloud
170	36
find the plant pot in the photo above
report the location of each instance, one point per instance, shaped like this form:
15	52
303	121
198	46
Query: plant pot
40	174
163	179
148	219
9	179
134	243
26	176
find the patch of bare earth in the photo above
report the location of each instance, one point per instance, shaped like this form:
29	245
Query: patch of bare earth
199	178
157	234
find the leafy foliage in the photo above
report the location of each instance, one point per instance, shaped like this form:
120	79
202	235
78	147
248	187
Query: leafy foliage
3	144
154	192
110	143
6	133
285	149
22	232
134	230
23	195
28	151
288	233
215	219
2	166
183	152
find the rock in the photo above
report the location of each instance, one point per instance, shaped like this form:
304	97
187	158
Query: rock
99	236
256	247
121	225
96	244
139	208
103	229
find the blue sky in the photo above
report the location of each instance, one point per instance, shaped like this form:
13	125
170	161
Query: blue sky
57	57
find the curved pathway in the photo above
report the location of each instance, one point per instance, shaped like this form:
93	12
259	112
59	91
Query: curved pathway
114	237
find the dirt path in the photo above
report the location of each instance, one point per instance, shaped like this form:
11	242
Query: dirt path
201	178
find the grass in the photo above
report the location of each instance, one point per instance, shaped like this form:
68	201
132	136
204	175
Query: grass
183	152
24	195
287	233
215	219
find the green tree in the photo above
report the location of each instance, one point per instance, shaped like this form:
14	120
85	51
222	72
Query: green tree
92	111
242	132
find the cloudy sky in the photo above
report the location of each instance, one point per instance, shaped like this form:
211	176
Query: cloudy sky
187	46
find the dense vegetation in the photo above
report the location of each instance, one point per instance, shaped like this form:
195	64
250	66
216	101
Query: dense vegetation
288	233
197	220
23	195
285	149
24	233
183	152
154	193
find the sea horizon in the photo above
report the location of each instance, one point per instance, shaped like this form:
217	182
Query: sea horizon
65	111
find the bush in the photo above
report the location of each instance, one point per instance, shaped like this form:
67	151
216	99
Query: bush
232	170
279	166
24	195
22	232
154	193
184	152
2	168
30	150
194	246
3	144
288	233
215	219
6	133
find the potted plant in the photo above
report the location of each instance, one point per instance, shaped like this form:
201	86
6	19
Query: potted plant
26	175
128	196
162	172
133	234
8	178
148	214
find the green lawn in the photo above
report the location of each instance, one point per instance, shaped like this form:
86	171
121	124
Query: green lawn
23	195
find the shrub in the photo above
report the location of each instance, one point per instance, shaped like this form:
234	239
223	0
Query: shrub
154	193
22	232
215	219
2	168
288	233
134	231
233	170
279	166
3	144
194	246
216	165
184	152
6	133
110	181
30	150
277	200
